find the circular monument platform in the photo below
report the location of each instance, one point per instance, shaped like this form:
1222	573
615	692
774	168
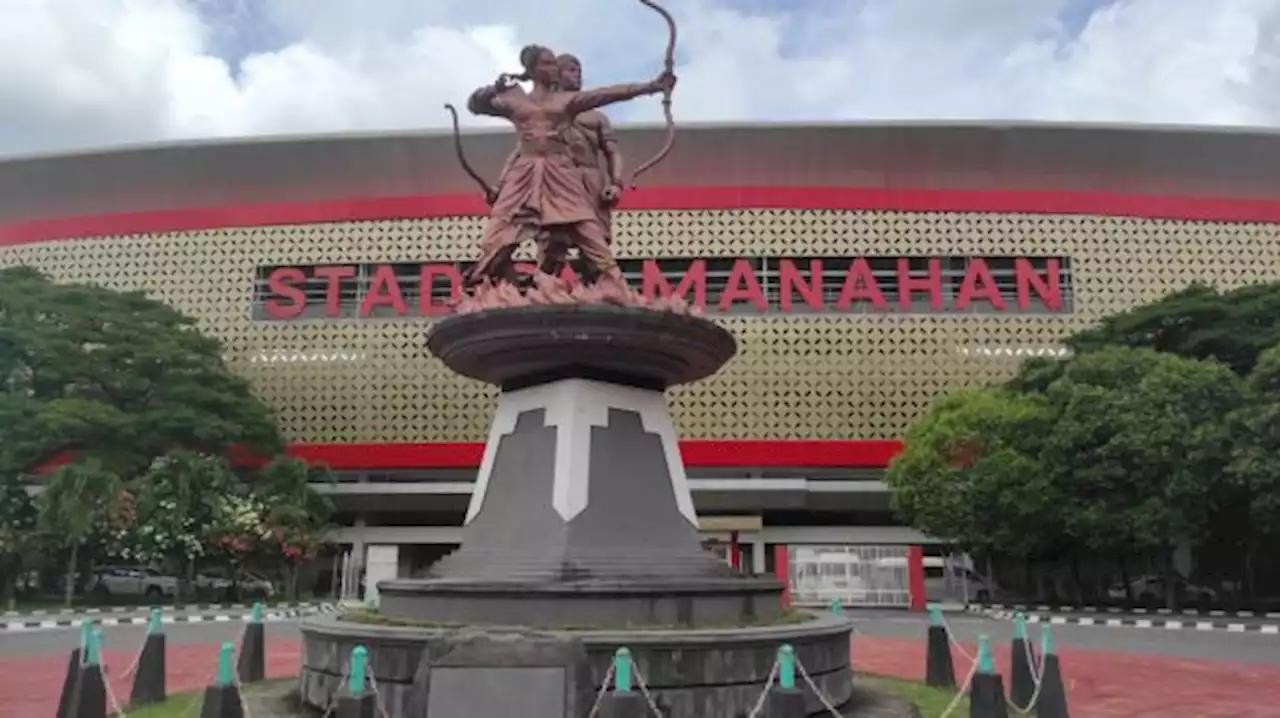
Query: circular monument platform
691	674
526	346
581	537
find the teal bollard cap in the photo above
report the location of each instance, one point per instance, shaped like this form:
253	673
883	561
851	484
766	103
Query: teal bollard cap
153	621
622	670
986	659
93	648
86	634
787	667
226	674
1046	640
935	616
359	667
257	612
1019	625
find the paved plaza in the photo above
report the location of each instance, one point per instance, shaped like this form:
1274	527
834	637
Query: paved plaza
1110	673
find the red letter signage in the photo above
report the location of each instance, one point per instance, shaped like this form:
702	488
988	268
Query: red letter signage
282	282
654	285
384	291
979	285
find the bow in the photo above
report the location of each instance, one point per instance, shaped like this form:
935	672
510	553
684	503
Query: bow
490	194
669	65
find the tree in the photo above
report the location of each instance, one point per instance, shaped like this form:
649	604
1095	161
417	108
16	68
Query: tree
116	377
1138	447
184	502
78	500
17	530
971	473
296	522
1199	322
1255	462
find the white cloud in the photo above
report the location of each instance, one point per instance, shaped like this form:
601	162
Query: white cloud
77	73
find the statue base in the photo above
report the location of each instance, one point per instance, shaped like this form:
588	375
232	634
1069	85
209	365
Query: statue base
581	537
582	514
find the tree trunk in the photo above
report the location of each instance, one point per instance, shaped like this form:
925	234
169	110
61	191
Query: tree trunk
1251	571
187	581
69	590
1170	583
10	578
1075	578
1125	579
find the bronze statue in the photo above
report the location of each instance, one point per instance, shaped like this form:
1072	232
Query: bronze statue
542	189
594	149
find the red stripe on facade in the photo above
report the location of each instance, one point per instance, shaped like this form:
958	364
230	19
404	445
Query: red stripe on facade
1225	209
697	453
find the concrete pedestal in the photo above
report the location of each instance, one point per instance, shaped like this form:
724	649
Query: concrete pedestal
582	515
581	537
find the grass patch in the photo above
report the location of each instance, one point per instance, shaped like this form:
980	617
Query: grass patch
931	701
268	698
373	617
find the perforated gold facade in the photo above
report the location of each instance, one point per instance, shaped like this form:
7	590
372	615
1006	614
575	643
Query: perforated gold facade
826	376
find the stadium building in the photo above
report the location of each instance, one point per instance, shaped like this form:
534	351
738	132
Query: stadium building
865	269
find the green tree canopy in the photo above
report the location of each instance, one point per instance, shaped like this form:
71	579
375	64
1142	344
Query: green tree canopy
296	523
79	502
17	530
1255	455
184	502
971	473
1199	322
115	376
1139	446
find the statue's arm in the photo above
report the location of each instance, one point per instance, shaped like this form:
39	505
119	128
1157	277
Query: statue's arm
490	100
608	140
596	97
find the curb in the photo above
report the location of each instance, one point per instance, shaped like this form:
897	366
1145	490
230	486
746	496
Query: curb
1044	608
100	610
1171	624
268	615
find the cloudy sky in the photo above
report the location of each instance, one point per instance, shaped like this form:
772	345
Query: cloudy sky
88	73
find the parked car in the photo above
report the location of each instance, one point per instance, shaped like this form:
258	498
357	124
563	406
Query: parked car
1150	589
131	582
964	584
218	585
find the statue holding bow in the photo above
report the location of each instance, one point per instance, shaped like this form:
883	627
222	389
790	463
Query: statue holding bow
543	191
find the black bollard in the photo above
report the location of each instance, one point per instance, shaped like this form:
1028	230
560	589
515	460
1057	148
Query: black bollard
986	692
73	670
222	702
69	684
149	679
89	696
349	706
785	703
252	665
1022	680
939	670
624	705
1052	702
986	697
353	700
222	699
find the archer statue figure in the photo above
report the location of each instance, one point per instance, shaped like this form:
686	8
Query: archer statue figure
543	191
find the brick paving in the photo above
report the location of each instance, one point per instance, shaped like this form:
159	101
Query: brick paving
1099	684
1113	685
29	687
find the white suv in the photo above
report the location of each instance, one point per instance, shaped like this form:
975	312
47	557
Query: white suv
133	582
